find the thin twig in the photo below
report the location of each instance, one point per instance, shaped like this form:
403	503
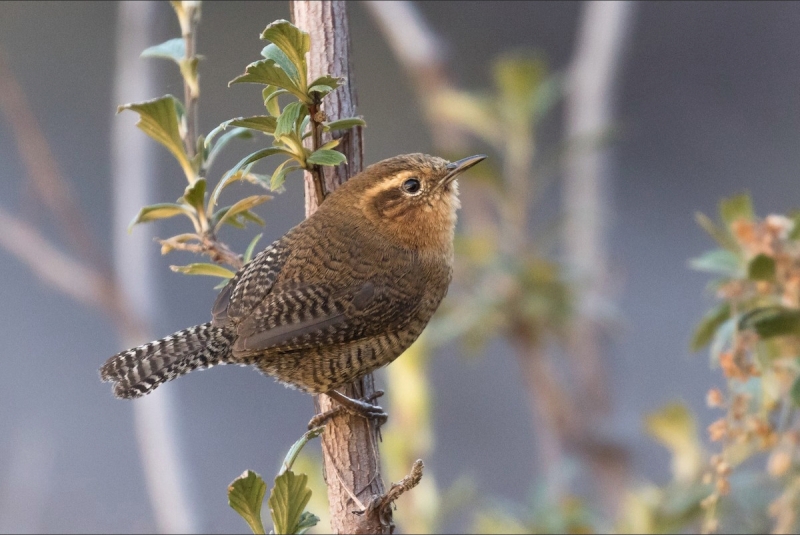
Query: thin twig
189	17
380	506
60	270
317	118
423	55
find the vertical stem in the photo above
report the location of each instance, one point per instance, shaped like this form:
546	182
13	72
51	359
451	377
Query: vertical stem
133	176
317	117
351	460
189	16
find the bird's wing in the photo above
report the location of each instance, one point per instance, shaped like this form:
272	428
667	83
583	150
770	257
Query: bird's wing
251	284
297	316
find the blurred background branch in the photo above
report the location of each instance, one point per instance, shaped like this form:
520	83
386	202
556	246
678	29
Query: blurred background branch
590	96
127	295
134	180
502	216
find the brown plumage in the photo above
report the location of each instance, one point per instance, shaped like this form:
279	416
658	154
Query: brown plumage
341	294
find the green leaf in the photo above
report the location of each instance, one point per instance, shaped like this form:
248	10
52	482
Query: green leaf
174	49
328	81
518	77
236	220
307	521
250	216
718	261
279	176
761	268
474	113
195	194
288	499
160	211
321	89
332	144
676	428
737	207
343	124
248	253
722	339
236	173
266	72
772	321
189	73
293	42
262	123
276	54
547	95
719	234
241	206
288	119
270	95
212	270
159	119
794	392
304	126
227	137
245	496
708	326
219	214
326	157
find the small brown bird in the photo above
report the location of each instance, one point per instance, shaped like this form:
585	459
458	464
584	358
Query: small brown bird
340	295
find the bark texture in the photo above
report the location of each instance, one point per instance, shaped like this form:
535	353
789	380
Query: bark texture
351	461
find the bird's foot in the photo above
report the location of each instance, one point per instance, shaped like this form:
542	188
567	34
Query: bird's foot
365	409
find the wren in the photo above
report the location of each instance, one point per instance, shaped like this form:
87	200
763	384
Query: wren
341	294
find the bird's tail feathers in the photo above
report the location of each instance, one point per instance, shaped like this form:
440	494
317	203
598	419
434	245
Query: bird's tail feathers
138	371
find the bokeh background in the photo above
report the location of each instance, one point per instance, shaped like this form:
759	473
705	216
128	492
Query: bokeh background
707	104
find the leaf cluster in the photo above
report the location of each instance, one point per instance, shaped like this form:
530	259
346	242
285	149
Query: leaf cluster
283	71
506	291
754	337
287	500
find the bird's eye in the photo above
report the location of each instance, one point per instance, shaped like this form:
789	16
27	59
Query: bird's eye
412	186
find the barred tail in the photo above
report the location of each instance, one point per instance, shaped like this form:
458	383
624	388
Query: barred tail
138	371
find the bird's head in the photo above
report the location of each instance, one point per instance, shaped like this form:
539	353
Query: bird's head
411	198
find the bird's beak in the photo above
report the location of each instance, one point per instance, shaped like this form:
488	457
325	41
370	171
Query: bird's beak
456	168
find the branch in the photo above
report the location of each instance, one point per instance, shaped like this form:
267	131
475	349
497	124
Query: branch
43	172
84	275
602	35
60	270
422	53
380	507
558	412
349	445
189	18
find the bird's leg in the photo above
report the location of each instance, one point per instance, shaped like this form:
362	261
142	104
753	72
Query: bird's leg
364	409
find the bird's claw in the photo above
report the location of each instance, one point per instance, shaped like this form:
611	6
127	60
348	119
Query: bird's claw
357	407
369	411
